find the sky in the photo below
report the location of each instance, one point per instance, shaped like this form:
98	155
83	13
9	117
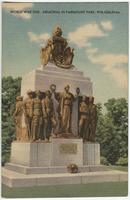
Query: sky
98	32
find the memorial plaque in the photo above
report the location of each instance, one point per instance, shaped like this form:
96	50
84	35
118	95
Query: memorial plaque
68	148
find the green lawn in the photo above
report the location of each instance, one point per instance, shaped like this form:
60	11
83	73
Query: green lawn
121	168
86	190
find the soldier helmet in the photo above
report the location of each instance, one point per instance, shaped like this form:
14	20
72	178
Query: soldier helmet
29	92
19	98
91	99
67	86
38	92
48	92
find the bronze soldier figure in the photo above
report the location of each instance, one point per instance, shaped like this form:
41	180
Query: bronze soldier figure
93	119
66	104
84	119
28	112
18	117
48	115
37	121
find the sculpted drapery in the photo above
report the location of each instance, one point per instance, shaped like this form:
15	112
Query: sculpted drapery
47	117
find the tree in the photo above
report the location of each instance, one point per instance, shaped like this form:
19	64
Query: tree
112	130
10	89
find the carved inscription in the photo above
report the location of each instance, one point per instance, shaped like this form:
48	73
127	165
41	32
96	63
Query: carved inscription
68	148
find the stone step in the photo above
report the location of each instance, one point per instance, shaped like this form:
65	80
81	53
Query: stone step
14	179
51	70
62	75
52	169
51	67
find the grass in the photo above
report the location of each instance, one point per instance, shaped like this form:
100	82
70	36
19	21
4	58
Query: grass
85	190
121	168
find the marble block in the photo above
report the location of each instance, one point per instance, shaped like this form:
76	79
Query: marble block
31	154
91	154
24	153
67	151
41	79
58	152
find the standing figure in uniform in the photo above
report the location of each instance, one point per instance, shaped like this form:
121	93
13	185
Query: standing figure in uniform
65	109
84	119
18	117
48	116
28	112
37	121
93	119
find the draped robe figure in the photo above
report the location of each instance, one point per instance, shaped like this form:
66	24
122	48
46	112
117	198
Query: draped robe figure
57	51
46	52
66	103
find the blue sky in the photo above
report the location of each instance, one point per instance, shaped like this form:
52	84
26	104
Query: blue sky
100	41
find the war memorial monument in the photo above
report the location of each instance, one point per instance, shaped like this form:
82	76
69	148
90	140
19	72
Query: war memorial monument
55	120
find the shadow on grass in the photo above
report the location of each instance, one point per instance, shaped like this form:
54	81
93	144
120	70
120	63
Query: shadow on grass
84	190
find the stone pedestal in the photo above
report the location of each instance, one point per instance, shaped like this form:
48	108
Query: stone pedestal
59	152
91	154
35	164
41	79
31	154
67	151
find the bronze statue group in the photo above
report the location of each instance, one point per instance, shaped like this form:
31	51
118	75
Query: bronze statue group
43	115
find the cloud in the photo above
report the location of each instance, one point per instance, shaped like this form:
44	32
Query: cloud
22	15
107	25
91	50
113	64
38	38
17	6
83	34
21	7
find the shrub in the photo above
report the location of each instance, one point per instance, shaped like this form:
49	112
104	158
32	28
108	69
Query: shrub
104	161
122	161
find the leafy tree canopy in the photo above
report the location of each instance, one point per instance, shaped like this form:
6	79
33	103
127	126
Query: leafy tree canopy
10	89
